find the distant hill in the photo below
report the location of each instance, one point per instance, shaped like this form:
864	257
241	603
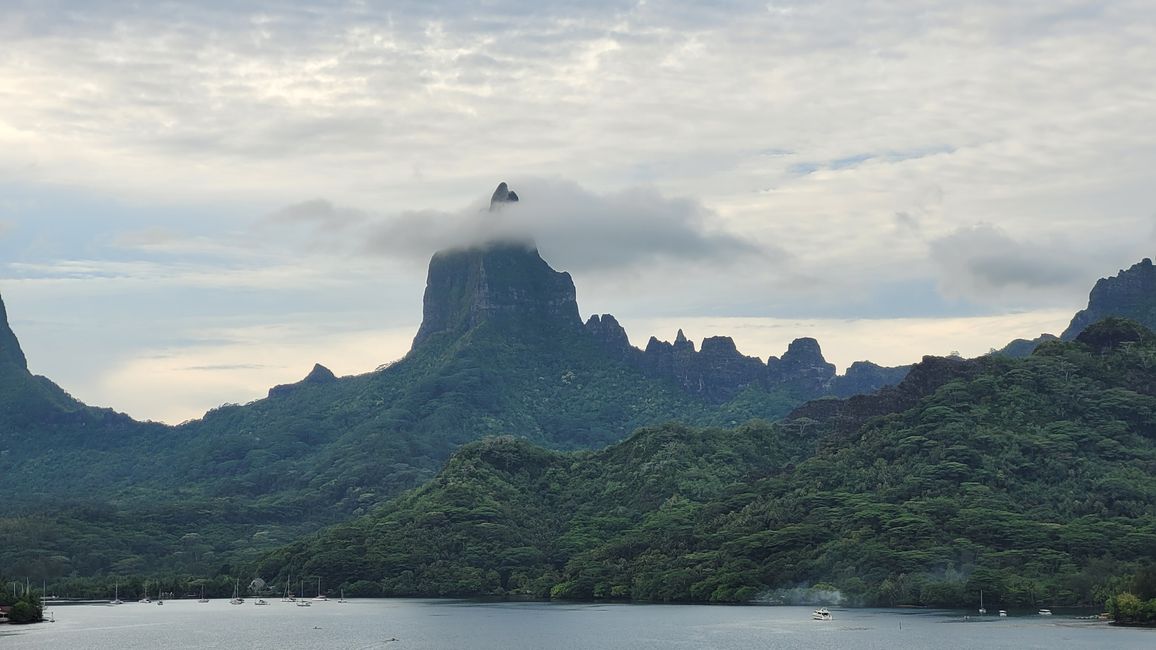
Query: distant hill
1023	348
1029	479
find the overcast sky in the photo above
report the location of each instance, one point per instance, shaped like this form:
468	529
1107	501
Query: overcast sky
200	200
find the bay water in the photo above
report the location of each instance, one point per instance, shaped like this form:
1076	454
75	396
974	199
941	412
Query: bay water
397	624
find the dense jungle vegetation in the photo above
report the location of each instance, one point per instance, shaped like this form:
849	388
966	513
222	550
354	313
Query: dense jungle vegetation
1033	480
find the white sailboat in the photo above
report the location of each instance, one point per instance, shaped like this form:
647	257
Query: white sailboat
303	602
116	596
203	599
288	594
342	599
981	609
236	599
319	596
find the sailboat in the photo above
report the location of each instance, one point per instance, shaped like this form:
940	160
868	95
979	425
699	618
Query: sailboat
319	596
342	599
116	596
236	600
288	594
981	609
303	602
145	599
203	599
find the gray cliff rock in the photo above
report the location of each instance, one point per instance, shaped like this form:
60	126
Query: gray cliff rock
718	371
505	283
1131	294
611	336
10	352
802	365
502	195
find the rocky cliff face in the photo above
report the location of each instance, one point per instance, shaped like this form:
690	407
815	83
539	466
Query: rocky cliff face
506	283
1131	294
612	337
10	352
718	372
502	196
803	366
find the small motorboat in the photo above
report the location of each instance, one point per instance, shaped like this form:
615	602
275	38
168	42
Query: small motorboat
1003	612
1045	612
260	601
821	614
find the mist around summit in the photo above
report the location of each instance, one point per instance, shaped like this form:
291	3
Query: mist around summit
577	229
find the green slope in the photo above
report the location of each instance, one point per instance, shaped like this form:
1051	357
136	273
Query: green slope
1033	480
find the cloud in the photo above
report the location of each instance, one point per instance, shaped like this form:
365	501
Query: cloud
575	228
865	140
319	212
984	264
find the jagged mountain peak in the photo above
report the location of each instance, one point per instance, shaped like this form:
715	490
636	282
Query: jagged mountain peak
10	351
501	196
1130	294
317	376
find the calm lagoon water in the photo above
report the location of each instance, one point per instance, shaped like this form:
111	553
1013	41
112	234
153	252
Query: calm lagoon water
447	625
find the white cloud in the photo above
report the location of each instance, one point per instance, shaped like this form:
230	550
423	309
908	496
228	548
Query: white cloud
576	229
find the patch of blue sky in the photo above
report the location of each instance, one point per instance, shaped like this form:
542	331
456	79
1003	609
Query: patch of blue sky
854	160
45	223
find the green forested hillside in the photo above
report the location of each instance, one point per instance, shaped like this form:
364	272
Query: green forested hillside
90	491
1033	480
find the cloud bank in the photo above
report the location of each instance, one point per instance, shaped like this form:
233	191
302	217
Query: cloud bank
575	228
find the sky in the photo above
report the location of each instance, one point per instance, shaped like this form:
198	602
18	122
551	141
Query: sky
199	200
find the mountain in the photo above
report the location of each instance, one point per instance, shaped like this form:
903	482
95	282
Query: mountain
501	350
1130	294
1029	479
